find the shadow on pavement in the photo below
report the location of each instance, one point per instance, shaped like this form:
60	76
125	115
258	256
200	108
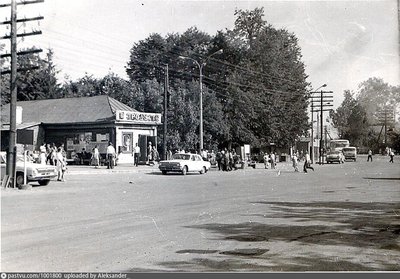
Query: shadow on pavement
382	178
371	226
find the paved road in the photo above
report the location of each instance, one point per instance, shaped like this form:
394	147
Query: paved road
338	218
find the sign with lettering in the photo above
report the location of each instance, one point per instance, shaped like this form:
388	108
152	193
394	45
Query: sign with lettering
138	117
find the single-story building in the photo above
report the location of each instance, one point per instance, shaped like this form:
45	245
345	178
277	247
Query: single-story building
82	123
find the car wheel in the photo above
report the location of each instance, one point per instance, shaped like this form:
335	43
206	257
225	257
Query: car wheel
19	180
184	170
44	182
203	170
164	172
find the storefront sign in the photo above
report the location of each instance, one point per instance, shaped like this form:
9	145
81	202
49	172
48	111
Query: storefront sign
138	117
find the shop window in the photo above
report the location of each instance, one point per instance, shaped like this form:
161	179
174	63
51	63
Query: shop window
127	144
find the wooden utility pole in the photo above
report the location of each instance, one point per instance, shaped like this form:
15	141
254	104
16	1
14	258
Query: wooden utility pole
13	91
166	80
11	154
320	103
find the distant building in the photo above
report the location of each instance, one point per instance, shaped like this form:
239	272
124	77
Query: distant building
82	123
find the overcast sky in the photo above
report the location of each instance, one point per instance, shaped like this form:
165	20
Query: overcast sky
342	42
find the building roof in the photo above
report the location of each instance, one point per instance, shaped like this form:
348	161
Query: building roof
67	110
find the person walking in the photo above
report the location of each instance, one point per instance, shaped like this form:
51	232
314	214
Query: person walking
110	155
43	156
391	154
266	158
96	157
369	155
155	155
218	158
272	158
136	154
149	153
295	162
61	165
307	163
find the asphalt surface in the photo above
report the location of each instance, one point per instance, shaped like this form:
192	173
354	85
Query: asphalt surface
133	219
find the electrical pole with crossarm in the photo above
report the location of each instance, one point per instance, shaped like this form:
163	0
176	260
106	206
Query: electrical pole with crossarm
319	103
11	154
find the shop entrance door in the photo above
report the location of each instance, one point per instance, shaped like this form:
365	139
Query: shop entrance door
143	144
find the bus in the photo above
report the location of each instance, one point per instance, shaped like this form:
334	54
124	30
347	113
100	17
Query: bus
338	144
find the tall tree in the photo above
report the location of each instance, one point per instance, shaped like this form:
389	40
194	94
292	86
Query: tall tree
35	84
256	88
351	121
375	95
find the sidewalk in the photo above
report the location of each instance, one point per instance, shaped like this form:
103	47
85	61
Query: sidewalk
130	168
121	168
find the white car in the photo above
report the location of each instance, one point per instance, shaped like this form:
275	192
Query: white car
34	172
184	162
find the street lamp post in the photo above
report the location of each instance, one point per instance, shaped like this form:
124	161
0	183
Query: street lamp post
201	65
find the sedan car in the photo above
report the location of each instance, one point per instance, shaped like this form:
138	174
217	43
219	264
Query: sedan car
34	172
335	157
184	163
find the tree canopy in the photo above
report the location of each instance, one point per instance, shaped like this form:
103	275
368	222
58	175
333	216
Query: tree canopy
254	91
253	76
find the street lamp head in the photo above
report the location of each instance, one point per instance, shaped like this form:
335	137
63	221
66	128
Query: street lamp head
324	85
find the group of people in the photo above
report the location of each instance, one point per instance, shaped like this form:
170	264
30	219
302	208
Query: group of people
56	156
226	159
307	162
389	152
152	154
269	160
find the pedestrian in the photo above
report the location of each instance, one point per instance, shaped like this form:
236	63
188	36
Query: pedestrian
155	155
96	157
43	156
110	155
218	158
391	154
369	155
266	159
226	160
136	154
295	162
272	159
223	161
230	160
307	163
204	154
235	159
149	153
61	165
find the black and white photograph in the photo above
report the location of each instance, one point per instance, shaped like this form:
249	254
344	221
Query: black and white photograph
201	137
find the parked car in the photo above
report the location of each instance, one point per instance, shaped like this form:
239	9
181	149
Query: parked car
350	153
335	157
184	163
34	172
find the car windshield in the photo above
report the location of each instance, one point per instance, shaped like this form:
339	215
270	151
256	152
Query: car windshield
181	156
349	149
334	152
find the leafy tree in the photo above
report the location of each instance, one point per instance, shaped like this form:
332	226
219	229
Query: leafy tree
33	84
375	95
254	92
86	86
117	88
4	81
351	121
